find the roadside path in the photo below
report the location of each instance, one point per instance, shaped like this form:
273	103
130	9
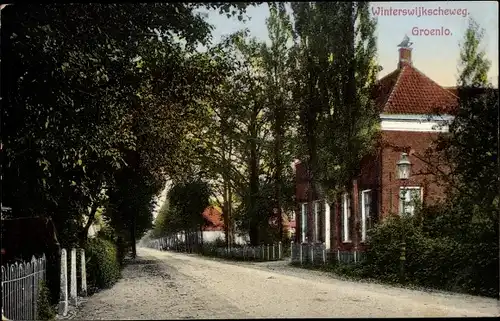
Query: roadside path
166	285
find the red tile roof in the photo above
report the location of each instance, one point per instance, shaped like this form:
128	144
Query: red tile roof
408	91
213	219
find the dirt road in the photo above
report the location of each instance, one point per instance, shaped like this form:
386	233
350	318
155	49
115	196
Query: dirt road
164	285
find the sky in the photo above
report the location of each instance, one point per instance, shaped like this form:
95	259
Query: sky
435	55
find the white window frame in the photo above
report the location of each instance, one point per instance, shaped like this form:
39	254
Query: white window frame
316	220
345	217
407	189
364	215
303	221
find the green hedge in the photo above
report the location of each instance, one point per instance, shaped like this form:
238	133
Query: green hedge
45	311
103	266
438	261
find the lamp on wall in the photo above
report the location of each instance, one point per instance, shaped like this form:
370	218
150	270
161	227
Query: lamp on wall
404	167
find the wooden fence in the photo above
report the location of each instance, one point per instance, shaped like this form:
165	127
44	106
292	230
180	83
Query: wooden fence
265	252
317	254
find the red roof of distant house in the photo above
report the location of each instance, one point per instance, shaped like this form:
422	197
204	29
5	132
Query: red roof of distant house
214	219
407	90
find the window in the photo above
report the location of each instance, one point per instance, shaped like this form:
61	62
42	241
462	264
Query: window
409	198
303	221
366	219
345	217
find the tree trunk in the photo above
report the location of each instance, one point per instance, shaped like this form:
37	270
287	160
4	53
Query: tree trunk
230	216
254	184
225	214
85	232
278	173
350	99
132	237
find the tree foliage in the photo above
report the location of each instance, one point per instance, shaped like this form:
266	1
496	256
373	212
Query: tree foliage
183	208
99	96
473	65
336	71
281	110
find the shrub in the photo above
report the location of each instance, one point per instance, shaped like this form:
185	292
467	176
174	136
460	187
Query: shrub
122	247
383	255
102	266
435	257
210	248
45	310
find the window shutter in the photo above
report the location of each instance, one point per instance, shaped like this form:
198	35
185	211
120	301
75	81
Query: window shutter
342	219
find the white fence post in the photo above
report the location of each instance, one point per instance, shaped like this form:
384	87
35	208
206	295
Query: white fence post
268	252
84	273
291	250
338	255
300	252
63	297
279	251
312	253
355	255
274	253
73	292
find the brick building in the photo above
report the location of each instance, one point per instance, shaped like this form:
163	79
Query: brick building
407	100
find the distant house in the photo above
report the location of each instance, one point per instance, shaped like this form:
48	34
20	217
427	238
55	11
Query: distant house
214	226
406	98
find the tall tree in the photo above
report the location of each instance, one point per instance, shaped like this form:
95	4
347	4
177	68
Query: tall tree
280	107
249	126
473	65
337	72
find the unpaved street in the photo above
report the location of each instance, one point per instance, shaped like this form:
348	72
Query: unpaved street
164	285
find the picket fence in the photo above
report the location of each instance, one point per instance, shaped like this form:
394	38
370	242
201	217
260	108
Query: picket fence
265	252
317	254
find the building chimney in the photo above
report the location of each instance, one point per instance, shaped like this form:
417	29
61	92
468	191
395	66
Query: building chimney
404	56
